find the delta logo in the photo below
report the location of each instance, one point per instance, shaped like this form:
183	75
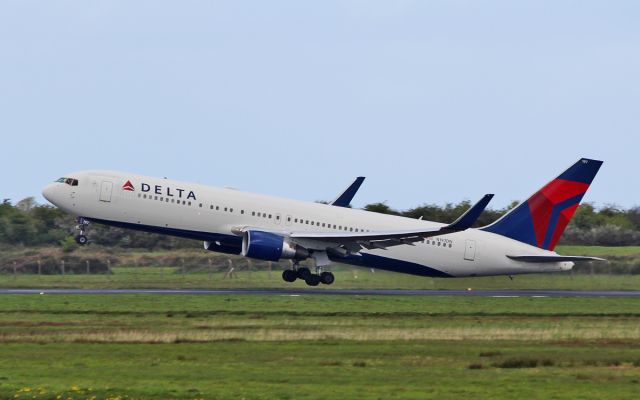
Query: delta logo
128	186
161	190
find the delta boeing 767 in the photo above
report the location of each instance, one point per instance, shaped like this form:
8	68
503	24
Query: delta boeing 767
269	228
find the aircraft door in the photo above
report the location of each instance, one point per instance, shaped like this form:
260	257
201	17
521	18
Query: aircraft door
470	250
105	191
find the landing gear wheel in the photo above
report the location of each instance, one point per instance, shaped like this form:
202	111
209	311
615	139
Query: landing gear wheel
289	275
312	280
303	273
81	240
327	278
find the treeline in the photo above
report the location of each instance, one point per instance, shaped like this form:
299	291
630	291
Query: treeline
27	223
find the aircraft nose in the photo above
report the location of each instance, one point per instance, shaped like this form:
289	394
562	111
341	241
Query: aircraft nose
49	193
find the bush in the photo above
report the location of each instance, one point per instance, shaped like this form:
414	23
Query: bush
68	244
517	363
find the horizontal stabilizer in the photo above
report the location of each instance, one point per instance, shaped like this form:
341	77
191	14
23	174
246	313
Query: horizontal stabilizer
345	197
552	258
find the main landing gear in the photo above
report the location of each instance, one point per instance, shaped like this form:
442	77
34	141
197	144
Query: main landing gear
81	238
304	273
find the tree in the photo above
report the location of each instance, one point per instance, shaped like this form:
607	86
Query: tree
381	208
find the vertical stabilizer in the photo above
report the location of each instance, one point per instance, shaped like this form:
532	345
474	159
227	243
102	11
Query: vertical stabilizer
541	220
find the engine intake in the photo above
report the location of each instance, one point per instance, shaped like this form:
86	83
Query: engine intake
270	247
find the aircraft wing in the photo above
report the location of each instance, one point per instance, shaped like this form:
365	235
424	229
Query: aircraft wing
344	199
354	241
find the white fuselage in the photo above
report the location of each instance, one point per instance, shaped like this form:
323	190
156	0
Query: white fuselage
214	215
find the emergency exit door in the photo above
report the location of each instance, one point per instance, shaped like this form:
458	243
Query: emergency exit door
470	250
105	191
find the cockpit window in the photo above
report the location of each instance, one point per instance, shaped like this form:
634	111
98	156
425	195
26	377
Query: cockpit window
68	181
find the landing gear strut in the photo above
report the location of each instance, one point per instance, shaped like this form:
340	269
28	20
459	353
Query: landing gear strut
81	238
304	273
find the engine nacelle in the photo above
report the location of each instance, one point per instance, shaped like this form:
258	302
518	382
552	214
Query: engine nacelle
223	247
270	247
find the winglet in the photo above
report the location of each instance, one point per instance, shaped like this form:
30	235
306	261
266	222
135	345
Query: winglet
344	199
471	216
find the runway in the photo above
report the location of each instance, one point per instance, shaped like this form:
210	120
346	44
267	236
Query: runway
332	292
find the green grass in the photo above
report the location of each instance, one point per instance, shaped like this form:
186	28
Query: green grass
346	277
601	251
318	347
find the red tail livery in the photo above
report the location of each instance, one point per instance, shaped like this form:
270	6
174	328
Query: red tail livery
541	220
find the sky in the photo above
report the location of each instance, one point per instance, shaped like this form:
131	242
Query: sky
432	101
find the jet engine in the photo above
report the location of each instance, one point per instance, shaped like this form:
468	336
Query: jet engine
270	247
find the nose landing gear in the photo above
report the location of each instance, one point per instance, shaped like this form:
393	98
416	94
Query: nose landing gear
81	238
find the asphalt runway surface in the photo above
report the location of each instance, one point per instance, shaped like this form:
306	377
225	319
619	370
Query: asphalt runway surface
337	292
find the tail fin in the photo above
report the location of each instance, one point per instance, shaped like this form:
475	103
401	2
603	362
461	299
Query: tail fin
541	220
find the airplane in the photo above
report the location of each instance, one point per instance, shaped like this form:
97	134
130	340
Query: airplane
273	229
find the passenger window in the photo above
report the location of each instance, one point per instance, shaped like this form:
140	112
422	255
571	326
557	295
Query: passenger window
200	205
231	210
311	222
217	208
269	216
241	211
211	207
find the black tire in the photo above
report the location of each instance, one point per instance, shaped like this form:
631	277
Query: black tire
327	278
81	240
289	275
303	273
312	280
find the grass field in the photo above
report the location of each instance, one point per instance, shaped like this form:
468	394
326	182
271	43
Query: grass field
317	347
346	277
